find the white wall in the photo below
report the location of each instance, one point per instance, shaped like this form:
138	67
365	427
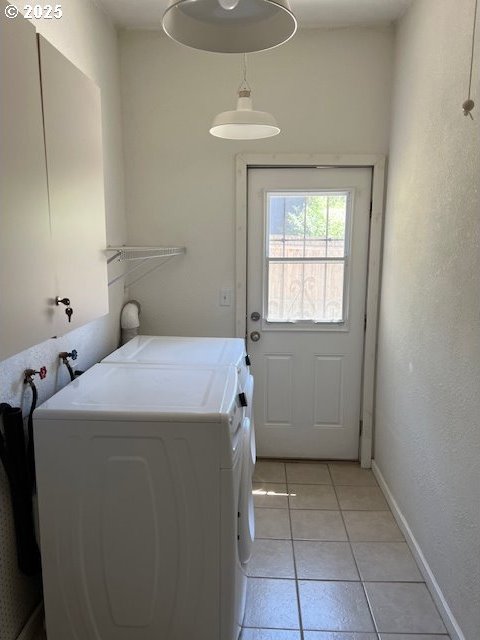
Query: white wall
86	36
428	400
330	91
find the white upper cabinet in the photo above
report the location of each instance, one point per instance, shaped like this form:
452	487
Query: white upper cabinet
52	207
73	142
26	267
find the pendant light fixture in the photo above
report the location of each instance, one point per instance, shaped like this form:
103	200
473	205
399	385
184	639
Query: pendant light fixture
229	26
244	123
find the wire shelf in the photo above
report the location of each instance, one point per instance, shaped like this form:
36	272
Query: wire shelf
143	253
140	255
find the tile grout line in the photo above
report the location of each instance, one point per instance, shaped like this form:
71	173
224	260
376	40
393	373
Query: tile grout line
363	582
443	636
297	587
354	558
330	579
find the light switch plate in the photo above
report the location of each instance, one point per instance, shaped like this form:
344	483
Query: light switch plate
226	297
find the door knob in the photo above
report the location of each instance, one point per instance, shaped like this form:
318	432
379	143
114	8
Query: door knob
255	316
255	336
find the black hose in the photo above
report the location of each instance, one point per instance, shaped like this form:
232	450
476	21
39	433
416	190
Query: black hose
64	358
70	370
3	447
14	458
30	446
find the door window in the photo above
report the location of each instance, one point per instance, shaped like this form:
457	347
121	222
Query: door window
306	255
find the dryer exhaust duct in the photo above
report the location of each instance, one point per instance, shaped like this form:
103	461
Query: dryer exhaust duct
130	320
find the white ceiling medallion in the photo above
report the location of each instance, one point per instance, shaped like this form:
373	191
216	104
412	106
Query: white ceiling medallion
229	26
244	123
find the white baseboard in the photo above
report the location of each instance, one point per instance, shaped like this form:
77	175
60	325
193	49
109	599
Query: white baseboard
33	626
448	618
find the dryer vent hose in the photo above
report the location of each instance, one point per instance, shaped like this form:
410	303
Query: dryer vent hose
130	320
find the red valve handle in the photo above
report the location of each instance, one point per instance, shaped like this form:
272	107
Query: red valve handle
29	373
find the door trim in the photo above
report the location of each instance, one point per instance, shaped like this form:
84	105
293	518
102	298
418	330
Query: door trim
377	164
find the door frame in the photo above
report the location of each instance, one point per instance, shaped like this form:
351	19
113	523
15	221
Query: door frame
245	161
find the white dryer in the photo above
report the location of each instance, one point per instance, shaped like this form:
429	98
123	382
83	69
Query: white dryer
138	475
189	351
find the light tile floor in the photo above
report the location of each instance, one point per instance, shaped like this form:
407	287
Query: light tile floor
329	561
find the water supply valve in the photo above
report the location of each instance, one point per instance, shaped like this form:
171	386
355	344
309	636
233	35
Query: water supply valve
30	373
64	356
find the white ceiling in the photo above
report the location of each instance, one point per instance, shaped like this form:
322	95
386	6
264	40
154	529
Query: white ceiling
147	14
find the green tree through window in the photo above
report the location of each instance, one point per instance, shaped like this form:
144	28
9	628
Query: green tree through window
319	216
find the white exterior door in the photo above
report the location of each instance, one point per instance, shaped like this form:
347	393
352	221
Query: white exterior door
308	232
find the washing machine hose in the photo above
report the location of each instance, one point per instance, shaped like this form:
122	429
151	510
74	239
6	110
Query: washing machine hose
16	456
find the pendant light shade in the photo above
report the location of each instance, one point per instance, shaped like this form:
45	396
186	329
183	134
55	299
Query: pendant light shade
229	26
244	123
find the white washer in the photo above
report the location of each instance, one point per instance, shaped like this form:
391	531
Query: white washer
194	351
139	484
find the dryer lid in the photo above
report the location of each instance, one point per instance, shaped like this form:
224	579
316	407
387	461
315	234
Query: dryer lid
147	392
181	350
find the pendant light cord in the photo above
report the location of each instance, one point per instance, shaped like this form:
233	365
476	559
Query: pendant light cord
469	104
473	50
244	86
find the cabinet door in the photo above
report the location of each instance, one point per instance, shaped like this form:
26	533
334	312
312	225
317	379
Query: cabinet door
73	141
26	272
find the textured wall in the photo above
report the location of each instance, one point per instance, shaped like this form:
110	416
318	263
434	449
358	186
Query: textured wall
88	39
330	91
428	400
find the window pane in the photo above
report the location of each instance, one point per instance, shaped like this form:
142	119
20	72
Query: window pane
308	225
305	291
